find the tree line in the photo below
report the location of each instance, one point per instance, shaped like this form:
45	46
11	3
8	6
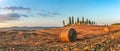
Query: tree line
77	21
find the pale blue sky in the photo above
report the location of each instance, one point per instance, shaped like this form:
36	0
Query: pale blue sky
52	12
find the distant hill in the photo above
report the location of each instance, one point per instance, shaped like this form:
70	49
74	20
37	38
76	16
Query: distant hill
27	28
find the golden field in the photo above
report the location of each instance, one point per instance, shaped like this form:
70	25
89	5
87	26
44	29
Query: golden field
89	38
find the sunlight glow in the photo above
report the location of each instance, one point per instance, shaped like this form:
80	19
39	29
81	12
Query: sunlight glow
4	25
1	1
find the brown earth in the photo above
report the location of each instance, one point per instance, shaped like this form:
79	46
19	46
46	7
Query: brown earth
89	38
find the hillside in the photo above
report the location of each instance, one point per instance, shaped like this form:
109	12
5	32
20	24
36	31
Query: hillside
89	38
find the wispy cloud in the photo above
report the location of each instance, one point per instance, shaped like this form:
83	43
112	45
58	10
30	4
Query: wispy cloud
10	16
15	8
12	13
48	13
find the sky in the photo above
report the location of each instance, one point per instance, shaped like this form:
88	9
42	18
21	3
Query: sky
53	12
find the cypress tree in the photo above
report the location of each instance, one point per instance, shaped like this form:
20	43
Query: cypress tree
63	22
72	20
82	19
78	20
91	22
87	21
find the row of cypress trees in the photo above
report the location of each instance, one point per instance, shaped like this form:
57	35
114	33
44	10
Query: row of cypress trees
76	21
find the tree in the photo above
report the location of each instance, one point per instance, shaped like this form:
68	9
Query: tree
63	22
87	21
78	21
92	22
72	20
82	19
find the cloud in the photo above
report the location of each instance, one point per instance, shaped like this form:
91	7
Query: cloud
24	15
13	13
10	16
15	8
48	13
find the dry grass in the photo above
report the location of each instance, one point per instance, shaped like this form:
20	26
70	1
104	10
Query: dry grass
89	38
